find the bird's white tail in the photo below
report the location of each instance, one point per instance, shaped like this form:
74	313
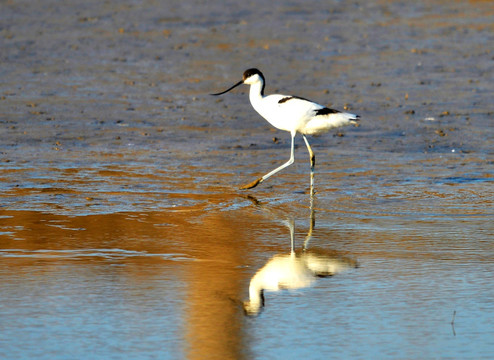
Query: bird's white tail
323	123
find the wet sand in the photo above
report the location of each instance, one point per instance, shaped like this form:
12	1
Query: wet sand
122	229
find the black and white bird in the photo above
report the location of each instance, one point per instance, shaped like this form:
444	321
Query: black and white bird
293	114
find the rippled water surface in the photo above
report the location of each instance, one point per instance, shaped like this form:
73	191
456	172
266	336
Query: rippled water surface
122	230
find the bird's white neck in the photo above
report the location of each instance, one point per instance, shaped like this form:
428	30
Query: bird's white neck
255	94
256	297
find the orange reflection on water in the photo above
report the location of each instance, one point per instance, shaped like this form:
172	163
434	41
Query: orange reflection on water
207	251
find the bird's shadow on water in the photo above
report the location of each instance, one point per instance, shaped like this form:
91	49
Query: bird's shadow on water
295	269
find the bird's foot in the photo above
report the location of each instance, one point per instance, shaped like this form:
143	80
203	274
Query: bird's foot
252	184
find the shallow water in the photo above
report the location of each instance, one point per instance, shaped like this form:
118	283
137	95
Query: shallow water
122	230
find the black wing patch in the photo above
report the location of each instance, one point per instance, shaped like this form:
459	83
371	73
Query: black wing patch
326	111
287	98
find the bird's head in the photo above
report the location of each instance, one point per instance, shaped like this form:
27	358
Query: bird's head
250	77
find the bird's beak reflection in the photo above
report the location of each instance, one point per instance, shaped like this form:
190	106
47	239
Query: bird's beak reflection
231	88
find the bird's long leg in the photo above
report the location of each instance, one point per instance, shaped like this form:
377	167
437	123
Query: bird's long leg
290	223
312	223
288	163
312	165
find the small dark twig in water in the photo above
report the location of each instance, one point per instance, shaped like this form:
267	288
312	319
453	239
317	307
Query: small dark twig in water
453	322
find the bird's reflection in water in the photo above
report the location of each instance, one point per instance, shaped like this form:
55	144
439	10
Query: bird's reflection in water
296	270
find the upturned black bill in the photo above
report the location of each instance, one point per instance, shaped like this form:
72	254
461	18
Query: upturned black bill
234	86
